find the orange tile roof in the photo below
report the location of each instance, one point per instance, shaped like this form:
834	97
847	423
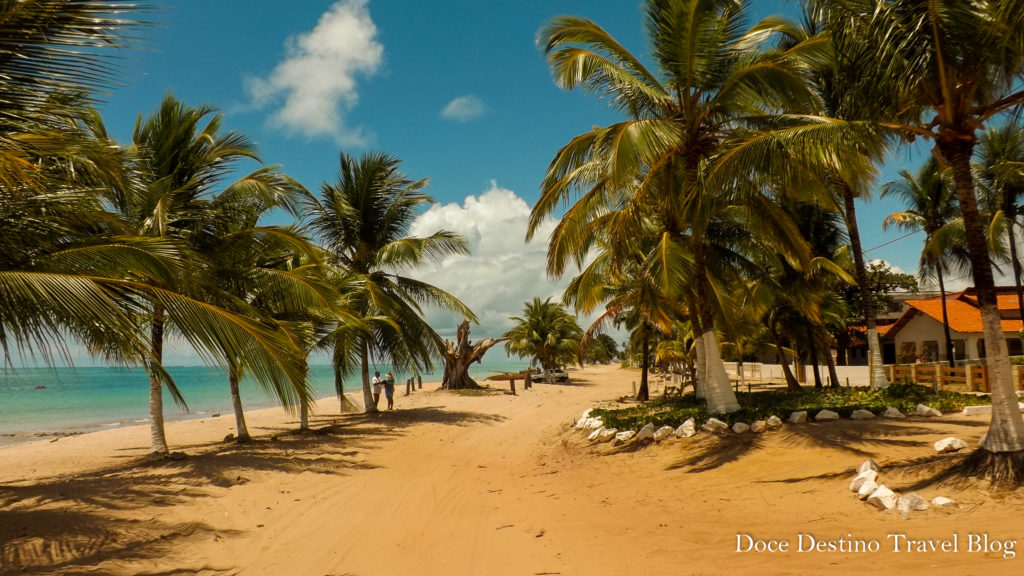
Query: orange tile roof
1006	297
963	317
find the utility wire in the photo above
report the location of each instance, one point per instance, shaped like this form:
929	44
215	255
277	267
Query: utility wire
883	245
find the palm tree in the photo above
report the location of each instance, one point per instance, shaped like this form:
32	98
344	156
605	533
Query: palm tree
181	162
1000	172
546	334
362	222
714	82
942	70
931	207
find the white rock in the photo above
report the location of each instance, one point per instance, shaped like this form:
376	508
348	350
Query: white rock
825	416
861	414
798	417
977	410
686	429
883	498
1021	406
923	410
645	433
595	423
866	489
662	433
714	425
625	436
892	412
593	435
773	422
758	426
910	503
861	478
606	434
942	502
583	418
740	427
869	464
951	444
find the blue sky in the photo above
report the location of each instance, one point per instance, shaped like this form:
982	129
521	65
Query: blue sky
456	88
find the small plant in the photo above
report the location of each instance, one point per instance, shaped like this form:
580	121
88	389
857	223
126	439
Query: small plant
673	411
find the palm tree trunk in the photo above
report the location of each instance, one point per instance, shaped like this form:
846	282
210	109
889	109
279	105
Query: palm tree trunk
791	382
303	415
720	395
1006	432
701	359
643	394
832	374
950	356
236	404
157	438
813	353
368	406
1011	215
876	371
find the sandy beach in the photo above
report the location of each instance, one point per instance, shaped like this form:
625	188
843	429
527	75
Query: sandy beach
492	484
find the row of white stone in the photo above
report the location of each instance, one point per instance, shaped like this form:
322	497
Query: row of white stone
866	485
600	433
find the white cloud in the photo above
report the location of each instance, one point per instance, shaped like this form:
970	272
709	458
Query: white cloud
463	109
317	80
503	271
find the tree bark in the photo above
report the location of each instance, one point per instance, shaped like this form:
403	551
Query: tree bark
460	354
701	372
236	405
876	371
157	438
344	404
1006	432
950	356
813	353
791	381
368	406
720	396
643	394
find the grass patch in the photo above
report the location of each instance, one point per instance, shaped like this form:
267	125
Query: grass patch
674	411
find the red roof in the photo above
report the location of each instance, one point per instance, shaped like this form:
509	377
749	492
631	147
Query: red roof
964	316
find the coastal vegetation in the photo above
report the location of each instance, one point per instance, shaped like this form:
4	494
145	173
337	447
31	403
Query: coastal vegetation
714	219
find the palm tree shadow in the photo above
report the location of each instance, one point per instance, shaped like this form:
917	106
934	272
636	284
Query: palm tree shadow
73	523
711	452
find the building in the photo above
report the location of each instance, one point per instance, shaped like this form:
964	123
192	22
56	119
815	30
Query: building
917	335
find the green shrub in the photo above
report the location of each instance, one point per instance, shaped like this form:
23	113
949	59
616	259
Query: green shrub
673	411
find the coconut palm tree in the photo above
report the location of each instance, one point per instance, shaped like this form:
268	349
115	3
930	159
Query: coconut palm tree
181	156
362	221
678	158
546	334
941	70
999	168
931	207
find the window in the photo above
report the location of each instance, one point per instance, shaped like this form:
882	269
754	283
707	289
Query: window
959	349
908	353
981	347
1015	346
930	351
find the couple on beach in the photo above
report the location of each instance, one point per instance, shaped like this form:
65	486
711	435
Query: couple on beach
388	384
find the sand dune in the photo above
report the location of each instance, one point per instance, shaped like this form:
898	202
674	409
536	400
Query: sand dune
490	484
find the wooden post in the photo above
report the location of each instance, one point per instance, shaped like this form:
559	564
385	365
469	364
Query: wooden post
913	373
634	387
969	378
419	381
512	381
528	381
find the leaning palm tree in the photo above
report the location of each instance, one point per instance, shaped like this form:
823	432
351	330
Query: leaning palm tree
181	155
930	206
715	83
942	70
362	221
547	334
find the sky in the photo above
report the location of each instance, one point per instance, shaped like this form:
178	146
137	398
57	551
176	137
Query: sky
457	89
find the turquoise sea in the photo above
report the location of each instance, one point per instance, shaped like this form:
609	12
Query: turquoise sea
37	402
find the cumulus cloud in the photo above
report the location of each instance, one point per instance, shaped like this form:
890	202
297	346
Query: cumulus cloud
502	272
463	109
315	86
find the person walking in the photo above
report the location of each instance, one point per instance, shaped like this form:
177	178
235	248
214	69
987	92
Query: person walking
378	383
389	390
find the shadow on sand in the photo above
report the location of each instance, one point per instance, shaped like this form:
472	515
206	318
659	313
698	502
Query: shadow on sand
82	523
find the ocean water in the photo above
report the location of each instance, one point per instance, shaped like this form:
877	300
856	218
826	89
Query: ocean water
38	402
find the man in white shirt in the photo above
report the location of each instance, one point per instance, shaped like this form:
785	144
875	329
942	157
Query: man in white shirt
378	384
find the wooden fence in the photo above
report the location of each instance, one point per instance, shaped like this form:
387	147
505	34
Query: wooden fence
968	378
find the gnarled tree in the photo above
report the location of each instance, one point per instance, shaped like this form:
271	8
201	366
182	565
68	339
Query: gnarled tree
460	354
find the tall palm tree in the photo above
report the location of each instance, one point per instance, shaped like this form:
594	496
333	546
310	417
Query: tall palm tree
1000	171
362	221
714	83
942	70
546	334
181	156
931	206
